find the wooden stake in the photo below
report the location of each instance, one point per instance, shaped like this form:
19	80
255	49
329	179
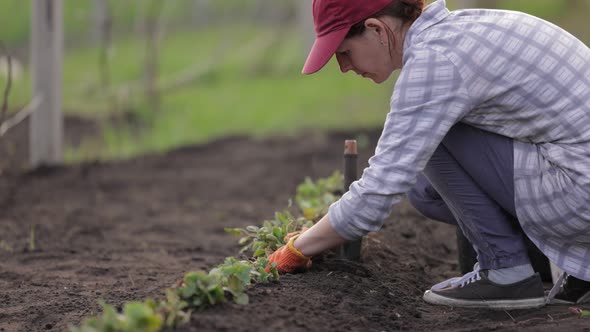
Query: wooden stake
351	250
46	121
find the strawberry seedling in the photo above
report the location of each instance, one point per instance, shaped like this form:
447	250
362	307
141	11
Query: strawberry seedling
136	317
259	273
235	277
262	241
5	246
172	310
200	290
579	312
314	198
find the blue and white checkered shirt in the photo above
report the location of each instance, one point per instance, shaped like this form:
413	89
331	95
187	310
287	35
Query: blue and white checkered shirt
504	72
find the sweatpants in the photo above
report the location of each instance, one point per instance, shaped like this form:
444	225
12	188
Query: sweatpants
468	182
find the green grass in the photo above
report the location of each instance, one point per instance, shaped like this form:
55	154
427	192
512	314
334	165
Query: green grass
265	105
78	16
178	52
246	92
542	8
250	94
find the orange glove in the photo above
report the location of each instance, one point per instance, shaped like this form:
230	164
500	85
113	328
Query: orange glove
288	259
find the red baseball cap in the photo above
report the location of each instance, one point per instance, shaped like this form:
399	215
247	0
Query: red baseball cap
332	20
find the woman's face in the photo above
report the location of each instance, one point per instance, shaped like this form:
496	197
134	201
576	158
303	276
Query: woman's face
369	54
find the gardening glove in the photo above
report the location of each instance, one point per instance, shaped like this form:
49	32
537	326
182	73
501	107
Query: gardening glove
296	233
288	259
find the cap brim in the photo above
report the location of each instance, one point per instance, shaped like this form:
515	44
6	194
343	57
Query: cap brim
322	51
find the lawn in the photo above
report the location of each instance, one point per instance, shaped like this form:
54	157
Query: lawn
248	79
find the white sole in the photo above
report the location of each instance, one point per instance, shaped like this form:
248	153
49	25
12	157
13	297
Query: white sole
433	298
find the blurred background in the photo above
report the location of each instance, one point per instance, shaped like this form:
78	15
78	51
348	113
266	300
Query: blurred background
145	76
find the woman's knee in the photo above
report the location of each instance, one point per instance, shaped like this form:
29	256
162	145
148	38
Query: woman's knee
417	200
426	200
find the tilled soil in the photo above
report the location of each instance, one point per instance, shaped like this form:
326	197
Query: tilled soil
126	230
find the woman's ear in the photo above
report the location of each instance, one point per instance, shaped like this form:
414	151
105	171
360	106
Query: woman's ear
377	26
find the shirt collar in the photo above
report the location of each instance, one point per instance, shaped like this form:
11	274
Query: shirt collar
433	14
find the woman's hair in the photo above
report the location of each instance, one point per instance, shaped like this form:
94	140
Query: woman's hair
406	10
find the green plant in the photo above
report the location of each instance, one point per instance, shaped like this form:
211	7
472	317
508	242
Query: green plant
5	246
32	245
580	312
200	290
136	317
314	198
262	241
235	277
259	273
172	310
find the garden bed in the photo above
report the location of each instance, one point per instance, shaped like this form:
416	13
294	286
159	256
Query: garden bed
127	230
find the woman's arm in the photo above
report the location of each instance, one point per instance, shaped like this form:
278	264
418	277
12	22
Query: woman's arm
318	238
429	98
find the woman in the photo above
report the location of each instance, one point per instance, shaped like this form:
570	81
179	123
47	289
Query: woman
489	129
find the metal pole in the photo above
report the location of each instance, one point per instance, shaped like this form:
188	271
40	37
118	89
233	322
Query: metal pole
351	250
46	123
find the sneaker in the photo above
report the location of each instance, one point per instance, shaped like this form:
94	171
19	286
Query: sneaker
475	290
573	291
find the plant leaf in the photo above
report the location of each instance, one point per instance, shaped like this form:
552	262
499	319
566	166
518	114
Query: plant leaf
253	229
234	231
241	299
260	253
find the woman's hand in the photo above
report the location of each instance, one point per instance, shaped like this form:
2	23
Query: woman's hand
288	259
296	255
318	239
296	233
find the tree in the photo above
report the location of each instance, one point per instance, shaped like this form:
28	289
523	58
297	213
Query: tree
152	33
103	23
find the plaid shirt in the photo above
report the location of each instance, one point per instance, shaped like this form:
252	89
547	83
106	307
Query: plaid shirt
504	72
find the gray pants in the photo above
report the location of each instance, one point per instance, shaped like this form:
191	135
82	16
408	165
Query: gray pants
468	182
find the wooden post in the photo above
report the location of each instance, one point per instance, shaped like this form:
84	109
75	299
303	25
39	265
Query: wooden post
351	250
46	123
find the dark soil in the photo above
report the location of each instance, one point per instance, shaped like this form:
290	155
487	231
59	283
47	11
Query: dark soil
14	147
126	230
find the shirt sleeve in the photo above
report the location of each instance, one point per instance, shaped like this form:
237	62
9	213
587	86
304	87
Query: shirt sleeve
429	98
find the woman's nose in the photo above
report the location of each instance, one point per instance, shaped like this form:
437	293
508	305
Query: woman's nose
344	64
